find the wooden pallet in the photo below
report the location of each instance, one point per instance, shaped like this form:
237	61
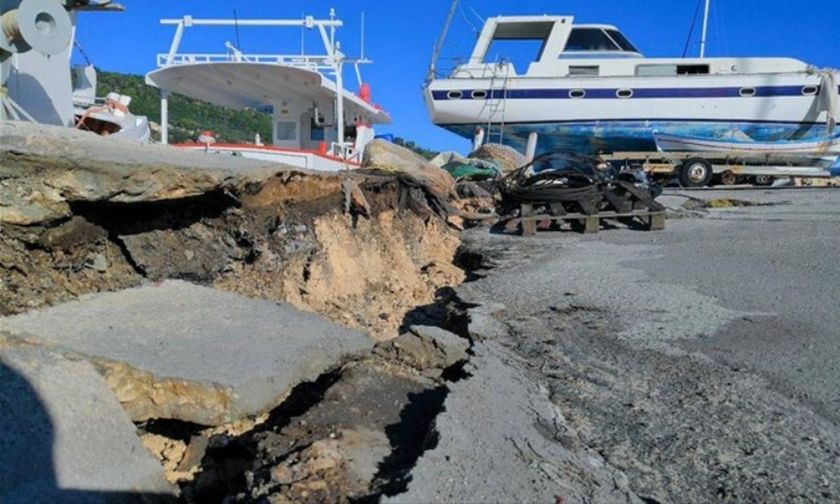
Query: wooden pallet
631	205
591	223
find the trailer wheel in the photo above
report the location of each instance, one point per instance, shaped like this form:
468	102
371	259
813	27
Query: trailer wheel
695	172
764	180
728	178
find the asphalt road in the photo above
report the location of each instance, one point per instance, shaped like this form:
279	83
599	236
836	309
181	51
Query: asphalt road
780	263
702	361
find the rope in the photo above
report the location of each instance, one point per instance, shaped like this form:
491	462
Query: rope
691	30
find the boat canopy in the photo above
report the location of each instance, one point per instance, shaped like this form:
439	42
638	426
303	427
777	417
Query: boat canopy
304	93
558	37
240	85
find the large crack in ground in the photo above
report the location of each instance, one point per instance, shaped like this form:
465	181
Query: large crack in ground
357	431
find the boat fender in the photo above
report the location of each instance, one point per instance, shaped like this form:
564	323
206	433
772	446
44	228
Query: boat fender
365	92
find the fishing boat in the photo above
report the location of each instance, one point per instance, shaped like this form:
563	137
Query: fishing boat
589	89
317	123
826	146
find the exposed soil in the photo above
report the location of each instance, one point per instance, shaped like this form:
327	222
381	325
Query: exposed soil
284	238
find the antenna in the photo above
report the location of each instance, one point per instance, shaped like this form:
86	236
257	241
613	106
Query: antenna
691	30
362	57
441	40
236	28
705	29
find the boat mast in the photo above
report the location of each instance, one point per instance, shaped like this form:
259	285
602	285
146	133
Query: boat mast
440	41
705	29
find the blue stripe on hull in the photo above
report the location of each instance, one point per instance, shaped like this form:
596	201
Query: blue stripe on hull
612	93
612	136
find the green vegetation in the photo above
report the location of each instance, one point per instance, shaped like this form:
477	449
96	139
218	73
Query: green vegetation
408	144
188	117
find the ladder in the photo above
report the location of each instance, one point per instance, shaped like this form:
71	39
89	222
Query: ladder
496	103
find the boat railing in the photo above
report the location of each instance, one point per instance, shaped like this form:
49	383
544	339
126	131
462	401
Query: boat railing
347	152
298	61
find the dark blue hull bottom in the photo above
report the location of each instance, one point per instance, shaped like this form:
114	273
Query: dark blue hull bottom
613	136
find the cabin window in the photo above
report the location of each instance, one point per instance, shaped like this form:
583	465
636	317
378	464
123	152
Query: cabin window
286	131
692	69
622	41
810	90
518	43
584	71
455	95
479	94
747	92
590	39
656	70
577	93
519	53
624	93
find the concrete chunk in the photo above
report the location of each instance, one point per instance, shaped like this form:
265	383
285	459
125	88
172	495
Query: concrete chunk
177	350
426	348
65	438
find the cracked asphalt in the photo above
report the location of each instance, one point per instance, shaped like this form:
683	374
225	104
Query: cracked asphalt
702	362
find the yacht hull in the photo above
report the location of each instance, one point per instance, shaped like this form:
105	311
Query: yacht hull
612	114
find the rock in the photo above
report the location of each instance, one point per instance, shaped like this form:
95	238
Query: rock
168	451
64	436
354	199
387	156
196	449
426	348
98	263
445	158
507	158
72	233
179	351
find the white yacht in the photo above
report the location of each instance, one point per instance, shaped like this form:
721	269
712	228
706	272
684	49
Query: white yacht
589	89
317	123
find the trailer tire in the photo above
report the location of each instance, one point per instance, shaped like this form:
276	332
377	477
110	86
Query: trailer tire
764	180
696	172
728	178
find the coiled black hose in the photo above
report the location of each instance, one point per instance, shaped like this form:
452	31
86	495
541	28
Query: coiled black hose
558	177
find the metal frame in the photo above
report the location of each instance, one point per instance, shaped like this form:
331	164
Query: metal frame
667	163
332	62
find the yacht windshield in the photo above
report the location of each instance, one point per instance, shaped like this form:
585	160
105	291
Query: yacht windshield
622	41
590	39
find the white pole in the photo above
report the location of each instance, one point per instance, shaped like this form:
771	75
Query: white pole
705	29
531	149
164	117
339	101
478	138
176	42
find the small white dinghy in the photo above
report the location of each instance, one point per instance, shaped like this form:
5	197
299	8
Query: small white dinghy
823	146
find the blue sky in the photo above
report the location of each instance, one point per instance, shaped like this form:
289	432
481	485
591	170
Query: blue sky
400	35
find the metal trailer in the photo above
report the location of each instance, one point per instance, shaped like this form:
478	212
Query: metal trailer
698	169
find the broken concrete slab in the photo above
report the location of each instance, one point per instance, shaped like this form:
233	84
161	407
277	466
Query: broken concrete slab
65	438
426	348
180	351
44	170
